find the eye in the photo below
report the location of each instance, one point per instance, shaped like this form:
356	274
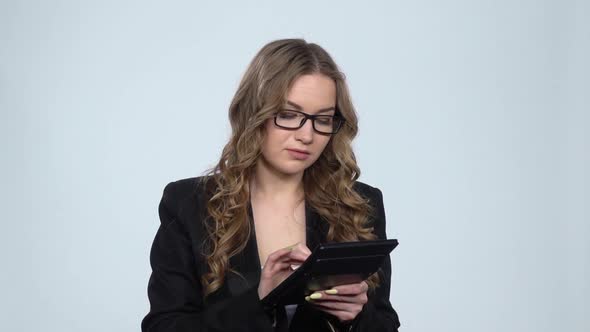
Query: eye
324	120
287	115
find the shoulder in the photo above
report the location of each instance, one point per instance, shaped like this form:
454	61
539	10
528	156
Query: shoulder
369	192
374	198
184	188
184	197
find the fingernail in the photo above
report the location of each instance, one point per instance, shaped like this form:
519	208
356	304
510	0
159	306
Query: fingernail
332	291
315	296
307	298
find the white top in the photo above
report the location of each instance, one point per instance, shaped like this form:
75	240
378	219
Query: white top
289	308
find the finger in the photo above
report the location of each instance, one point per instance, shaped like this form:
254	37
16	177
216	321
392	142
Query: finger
350	289
343	316
300	252
277	255
357	299
279	266
303	248
282	264
280	257
298	256
337	305
269	270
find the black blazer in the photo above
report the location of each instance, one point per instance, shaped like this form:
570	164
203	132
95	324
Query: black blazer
175	291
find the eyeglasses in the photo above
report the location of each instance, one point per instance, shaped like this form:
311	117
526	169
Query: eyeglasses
323	124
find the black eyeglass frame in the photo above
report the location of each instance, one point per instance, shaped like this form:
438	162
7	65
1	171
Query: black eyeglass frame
306	116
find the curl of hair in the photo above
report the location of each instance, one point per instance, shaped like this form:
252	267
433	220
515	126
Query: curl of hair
328	183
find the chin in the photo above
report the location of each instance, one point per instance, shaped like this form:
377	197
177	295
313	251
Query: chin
292	169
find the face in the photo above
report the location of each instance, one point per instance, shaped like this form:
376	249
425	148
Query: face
290	152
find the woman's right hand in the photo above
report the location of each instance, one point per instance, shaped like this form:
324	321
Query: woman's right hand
278	267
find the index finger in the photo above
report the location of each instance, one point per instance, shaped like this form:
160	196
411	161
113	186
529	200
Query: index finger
300	252
301	247
277	256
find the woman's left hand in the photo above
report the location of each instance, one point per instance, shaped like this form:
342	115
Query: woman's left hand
344	302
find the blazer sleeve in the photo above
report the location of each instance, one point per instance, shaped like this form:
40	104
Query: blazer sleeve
174	288
378	314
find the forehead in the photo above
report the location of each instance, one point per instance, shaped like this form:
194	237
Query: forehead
312	92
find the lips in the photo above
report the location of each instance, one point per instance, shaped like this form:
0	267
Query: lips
300	151
298	154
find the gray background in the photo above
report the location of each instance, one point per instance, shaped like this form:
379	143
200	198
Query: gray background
474	121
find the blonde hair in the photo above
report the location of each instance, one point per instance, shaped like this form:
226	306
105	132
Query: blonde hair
328	183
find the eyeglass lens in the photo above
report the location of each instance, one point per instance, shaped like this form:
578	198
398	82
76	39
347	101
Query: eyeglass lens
326	124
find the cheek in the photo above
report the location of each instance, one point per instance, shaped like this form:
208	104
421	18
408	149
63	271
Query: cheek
323	142
322	145
273	138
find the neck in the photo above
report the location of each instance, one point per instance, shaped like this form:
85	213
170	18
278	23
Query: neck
267	183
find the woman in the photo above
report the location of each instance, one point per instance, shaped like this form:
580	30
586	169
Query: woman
286	181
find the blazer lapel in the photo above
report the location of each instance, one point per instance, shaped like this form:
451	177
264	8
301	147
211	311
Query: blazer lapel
305	317
247	264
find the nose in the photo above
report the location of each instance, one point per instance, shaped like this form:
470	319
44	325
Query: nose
305	133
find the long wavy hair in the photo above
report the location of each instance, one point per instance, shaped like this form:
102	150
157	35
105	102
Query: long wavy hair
328	183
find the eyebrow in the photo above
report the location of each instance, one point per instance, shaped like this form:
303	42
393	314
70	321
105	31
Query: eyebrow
323	110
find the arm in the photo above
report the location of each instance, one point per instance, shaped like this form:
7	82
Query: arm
175	291
351	307
377	314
